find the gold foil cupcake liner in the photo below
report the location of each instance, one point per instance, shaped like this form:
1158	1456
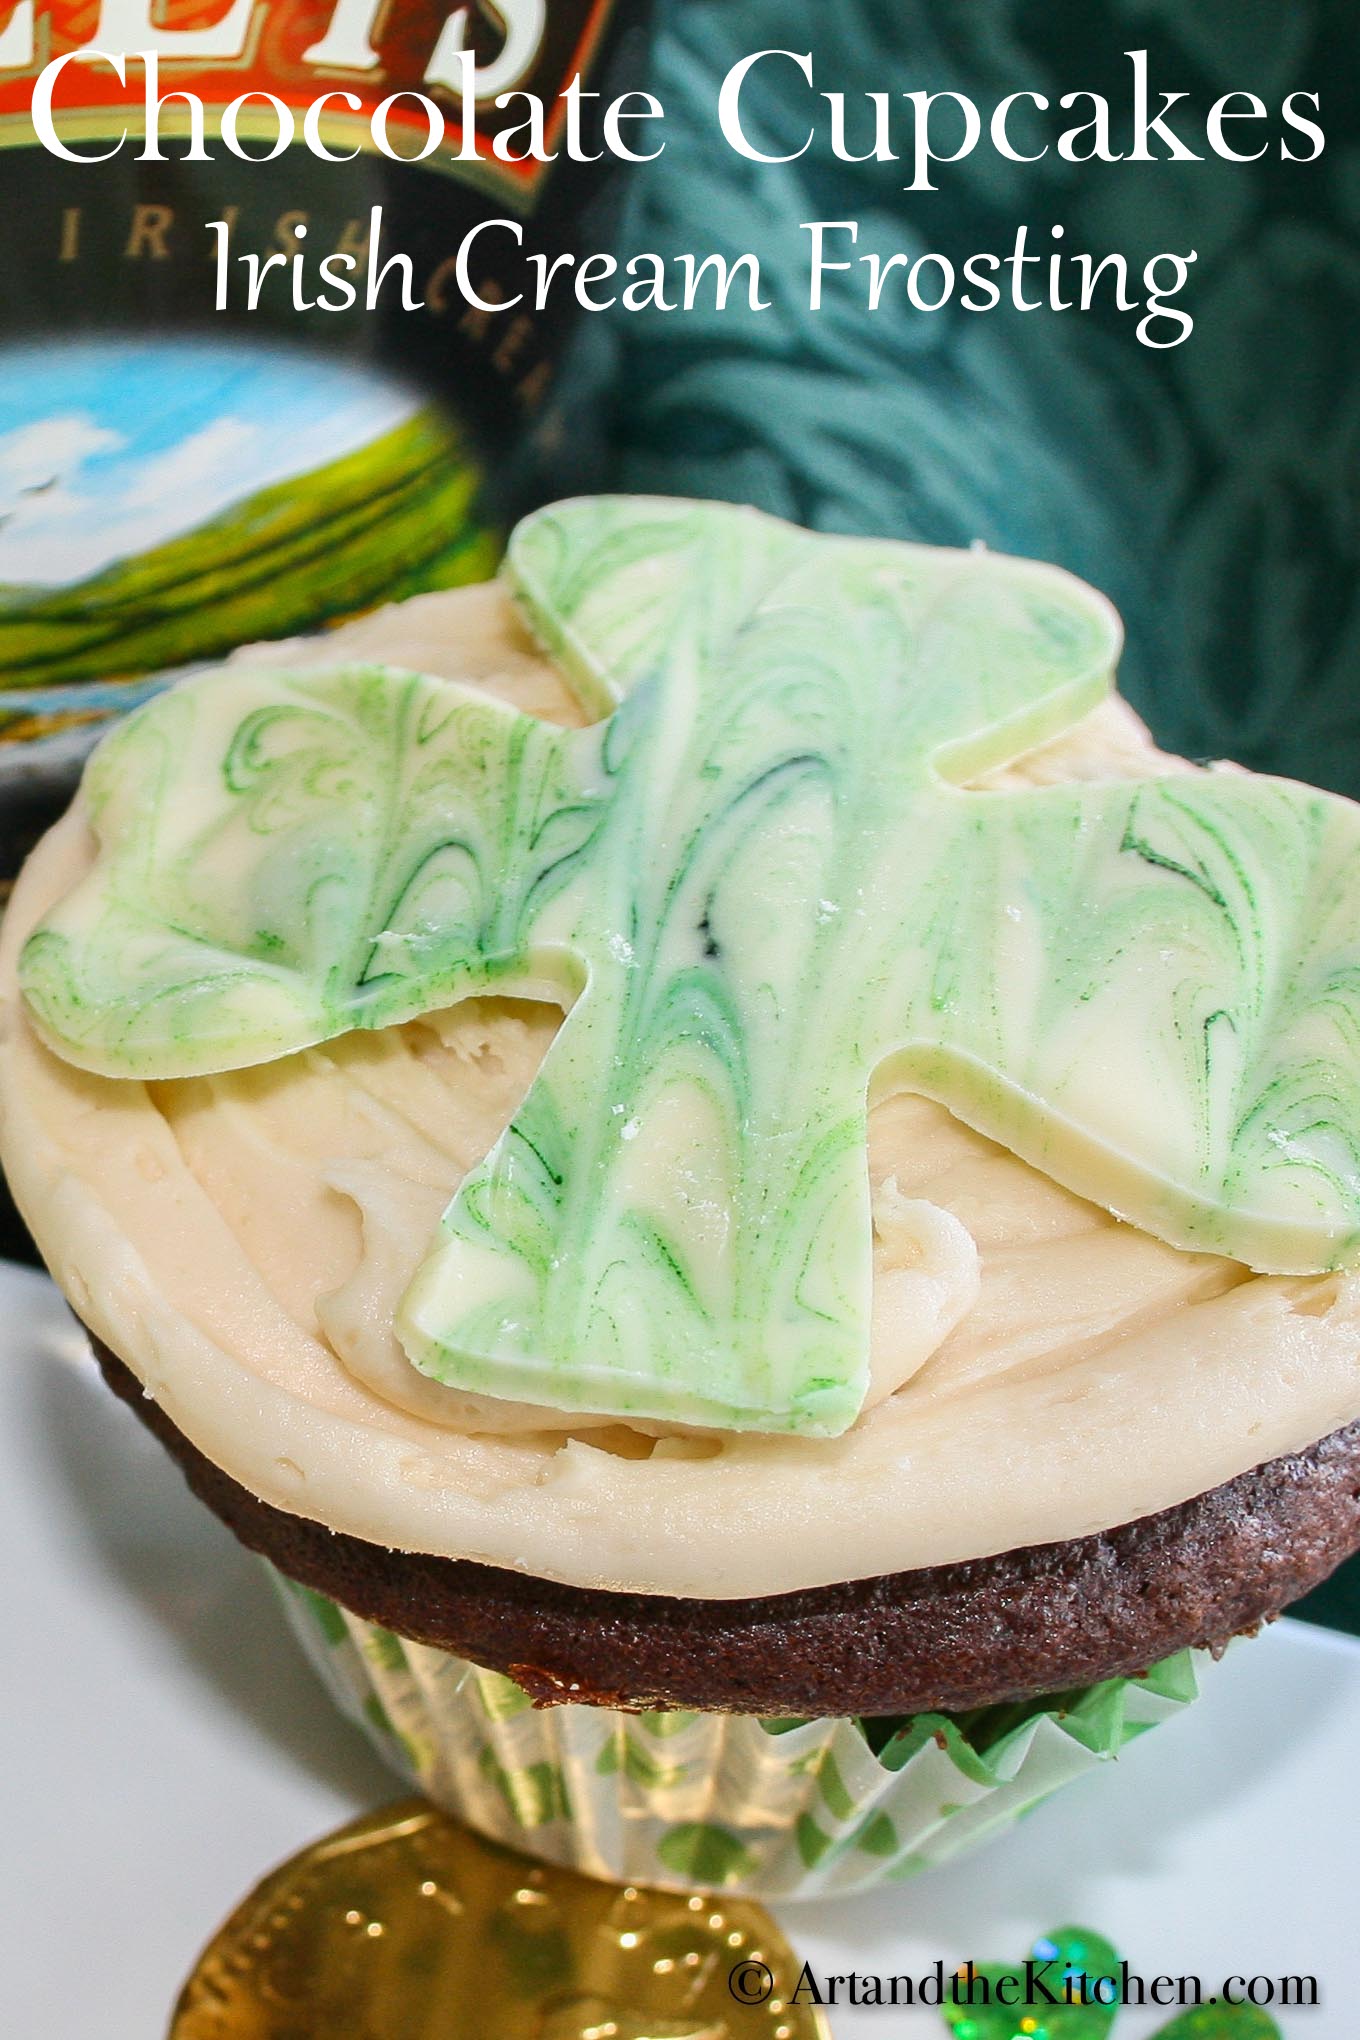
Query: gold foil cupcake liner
695	1801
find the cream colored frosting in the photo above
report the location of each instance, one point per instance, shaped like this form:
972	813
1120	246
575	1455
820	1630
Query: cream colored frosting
1040	1370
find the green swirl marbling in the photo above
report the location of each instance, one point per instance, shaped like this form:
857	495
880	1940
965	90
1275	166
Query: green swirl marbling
761	873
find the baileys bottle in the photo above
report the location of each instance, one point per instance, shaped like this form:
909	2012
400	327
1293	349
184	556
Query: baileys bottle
269	349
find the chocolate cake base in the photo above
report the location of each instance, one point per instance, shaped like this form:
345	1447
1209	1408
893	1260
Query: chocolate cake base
1042	1619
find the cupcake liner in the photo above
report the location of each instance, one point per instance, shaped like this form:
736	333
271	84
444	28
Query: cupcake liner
686	1801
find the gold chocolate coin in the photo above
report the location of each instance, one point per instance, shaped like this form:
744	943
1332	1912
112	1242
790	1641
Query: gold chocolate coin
406	1926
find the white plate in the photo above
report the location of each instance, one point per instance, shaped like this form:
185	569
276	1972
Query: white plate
165	1745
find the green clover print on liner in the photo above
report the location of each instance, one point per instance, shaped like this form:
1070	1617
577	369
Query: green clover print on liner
1083	1973
763	873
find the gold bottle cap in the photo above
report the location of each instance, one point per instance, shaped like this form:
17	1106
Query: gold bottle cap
406	1926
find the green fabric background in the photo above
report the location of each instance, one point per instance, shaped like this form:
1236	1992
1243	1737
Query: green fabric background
1212	489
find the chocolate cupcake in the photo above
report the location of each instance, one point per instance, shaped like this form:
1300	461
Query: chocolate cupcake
746	1192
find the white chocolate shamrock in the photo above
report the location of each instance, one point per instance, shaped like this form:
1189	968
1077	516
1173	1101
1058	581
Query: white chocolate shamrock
761	879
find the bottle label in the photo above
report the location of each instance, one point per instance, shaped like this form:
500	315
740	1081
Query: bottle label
204	442
366	58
